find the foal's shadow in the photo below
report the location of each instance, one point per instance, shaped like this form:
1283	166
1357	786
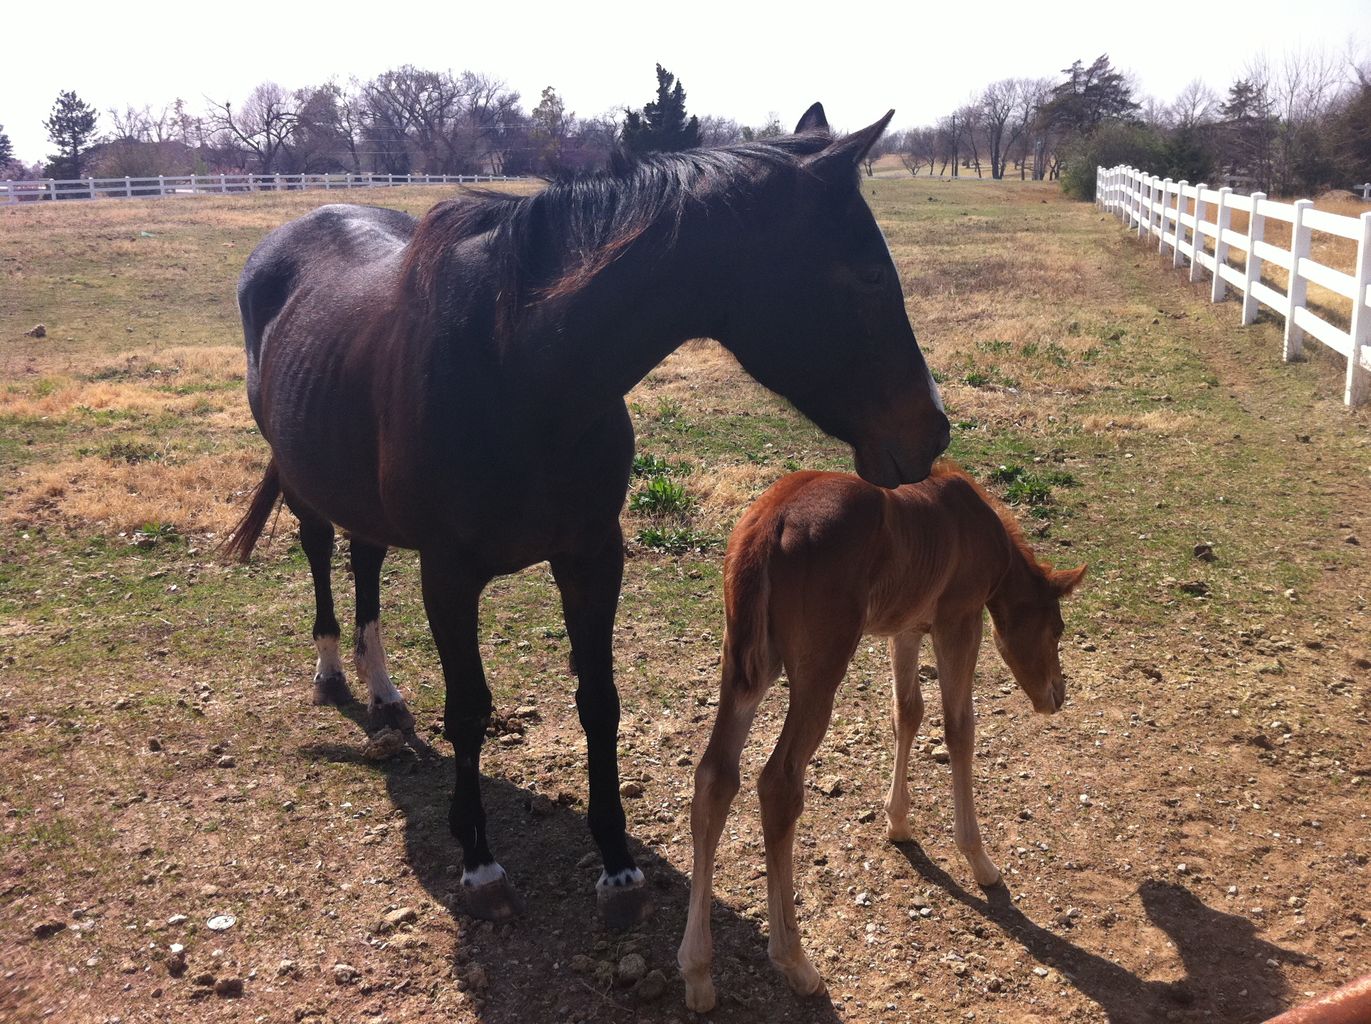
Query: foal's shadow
1227	974
529	962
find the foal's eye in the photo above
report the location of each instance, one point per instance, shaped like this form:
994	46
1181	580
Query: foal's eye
871	275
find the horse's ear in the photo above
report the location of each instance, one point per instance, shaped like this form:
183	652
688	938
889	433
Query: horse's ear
838	161
1067	580
813	120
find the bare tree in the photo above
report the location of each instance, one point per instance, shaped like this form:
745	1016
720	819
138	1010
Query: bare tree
261	128
1195	106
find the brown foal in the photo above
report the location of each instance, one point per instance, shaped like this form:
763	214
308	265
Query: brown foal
819	561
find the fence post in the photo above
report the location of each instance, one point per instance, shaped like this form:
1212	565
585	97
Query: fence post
1358	388
90	184
1223	215
1161	233
1294	293
1144	202
1196	235
1176	254
1256	228
161	184
128	188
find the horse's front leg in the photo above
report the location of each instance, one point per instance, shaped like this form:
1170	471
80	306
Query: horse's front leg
451	598
590	583
956	645
907	706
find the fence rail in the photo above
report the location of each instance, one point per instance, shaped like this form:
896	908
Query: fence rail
1177	215
12	192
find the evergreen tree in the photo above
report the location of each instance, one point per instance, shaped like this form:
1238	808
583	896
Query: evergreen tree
662	125
6	148
70	126
1089	97
1249	129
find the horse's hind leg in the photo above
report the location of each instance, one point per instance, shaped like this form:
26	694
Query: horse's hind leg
907	706
716	784
386	705
316	537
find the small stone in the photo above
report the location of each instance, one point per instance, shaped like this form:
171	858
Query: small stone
631	789
345	974
1351	538
630	969
47	929
867	816
1182	869
1025	815
204	980
209	891
221	922
1041	972
287	969
652	987
37	331
1086	801
385	744
226	761
993	984
1292	594
476	978
176	962
940	754
862	899
128	967
228	988
526	711
830	785
390	921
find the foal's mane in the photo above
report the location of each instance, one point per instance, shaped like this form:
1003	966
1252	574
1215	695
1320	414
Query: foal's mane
948	469
554	243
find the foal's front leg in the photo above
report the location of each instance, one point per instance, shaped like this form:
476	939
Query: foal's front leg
451	598
956	645
590	585
907	711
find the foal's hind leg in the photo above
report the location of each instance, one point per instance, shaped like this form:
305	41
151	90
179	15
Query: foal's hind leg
907	712
386	705
716	784
316	537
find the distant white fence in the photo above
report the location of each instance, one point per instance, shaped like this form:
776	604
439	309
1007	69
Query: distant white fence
1177	213
188	184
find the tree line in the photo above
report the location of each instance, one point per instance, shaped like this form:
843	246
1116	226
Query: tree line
1297	124
407	120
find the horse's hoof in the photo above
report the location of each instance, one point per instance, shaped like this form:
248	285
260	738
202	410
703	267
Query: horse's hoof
332	690
699	995
394	715
494	901
804	980
623	900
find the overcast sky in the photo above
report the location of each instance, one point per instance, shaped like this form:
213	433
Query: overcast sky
734	59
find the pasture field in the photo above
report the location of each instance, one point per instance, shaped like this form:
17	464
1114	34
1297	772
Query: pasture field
1186	840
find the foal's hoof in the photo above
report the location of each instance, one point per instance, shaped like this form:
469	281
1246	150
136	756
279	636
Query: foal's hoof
394	715
623	899
332	690
699	994
493	901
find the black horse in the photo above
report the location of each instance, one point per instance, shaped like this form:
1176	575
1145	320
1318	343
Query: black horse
456	386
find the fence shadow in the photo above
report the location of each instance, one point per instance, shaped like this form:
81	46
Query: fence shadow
528	961
1227	975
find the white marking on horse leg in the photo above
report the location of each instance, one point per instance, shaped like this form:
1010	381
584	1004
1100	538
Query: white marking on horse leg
370	659
483	875
625	879
329	664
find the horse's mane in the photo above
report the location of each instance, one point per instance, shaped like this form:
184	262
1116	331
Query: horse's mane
553	243
947	468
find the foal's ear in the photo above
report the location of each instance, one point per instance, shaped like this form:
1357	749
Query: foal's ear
838	161
813	120
1067	580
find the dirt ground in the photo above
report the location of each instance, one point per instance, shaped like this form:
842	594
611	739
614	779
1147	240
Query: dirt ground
1186	841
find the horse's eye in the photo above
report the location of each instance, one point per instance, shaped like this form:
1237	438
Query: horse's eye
871	275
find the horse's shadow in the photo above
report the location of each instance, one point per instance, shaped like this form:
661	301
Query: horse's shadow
530	973
1227	974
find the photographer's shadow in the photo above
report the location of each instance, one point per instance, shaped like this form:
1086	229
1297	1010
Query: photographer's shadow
552	962
1226	965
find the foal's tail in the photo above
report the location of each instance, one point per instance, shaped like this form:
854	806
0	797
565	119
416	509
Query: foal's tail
238	544
750	663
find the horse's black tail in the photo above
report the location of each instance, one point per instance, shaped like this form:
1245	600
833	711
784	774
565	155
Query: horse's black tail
238	544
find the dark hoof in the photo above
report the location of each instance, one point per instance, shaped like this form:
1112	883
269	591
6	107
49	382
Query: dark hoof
494	901
392	716
332	690
622	907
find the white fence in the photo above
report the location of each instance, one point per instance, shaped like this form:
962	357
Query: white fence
187	184
1178	215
